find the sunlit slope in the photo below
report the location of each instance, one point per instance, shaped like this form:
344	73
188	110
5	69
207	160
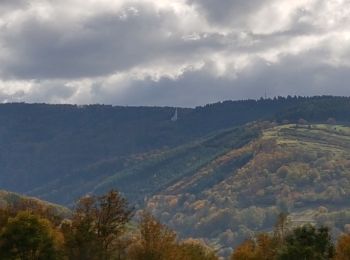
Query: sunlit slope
302	169
20	202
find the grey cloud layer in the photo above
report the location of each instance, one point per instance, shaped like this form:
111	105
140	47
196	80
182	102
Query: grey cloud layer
228	12
86	47
179	52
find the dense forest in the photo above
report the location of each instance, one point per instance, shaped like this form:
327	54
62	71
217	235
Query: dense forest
61	152
219	174
295	168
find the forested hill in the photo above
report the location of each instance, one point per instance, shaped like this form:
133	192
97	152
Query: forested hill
17	202
60	152
295	168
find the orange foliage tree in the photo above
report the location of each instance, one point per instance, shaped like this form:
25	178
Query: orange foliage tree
343	248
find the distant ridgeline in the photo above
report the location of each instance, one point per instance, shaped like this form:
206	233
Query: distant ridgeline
219	172
60	152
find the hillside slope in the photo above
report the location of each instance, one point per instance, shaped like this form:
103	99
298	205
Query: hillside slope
301	169
138	177
19	202
61	152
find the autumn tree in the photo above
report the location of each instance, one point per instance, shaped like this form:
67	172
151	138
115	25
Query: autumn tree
192	249
80	233
96	227
245	251
264	245
343	248
155	241
29	237
261	247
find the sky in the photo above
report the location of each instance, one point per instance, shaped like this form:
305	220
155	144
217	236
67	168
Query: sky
172	52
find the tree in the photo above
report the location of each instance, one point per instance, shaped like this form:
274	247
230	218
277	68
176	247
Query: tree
155	241
343	248
195	250
4	215
281	227
97	225
262	247
245	251
80	234
29	237
307	242
112	216
267	247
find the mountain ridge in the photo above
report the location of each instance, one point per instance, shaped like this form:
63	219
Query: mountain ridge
220	172
80	146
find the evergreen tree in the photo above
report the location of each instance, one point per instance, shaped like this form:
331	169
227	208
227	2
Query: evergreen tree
307	242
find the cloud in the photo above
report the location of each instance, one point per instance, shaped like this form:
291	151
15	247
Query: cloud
228	12
179	52
197	87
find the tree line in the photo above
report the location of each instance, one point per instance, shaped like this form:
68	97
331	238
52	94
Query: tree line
302	242
101	228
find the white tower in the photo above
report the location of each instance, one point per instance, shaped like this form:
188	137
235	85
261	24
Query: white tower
174	117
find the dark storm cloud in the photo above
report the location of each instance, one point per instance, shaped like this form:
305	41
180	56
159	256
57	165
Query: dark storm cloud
171	52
